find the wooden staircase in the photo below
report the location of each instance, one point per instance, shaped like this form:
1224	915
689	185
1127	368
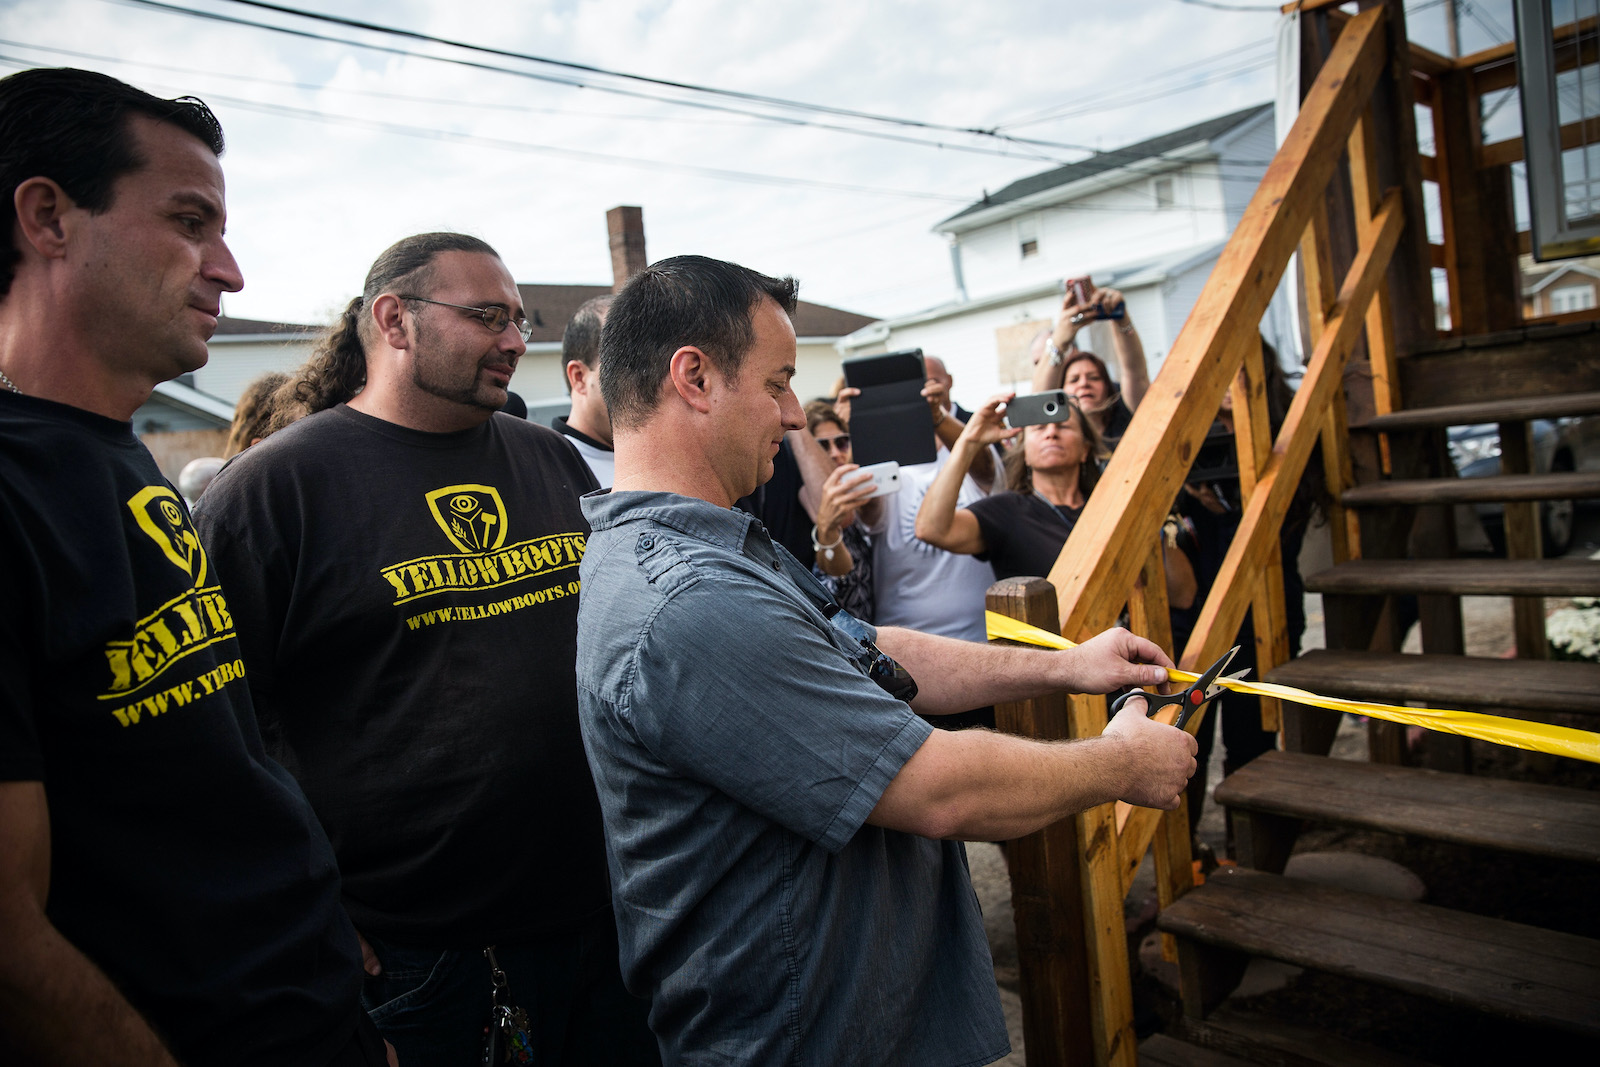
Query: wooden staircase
1542	978
1381	386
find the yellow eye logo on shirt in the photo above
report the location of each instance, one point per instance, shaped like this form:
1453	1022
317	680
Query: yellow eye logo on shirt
159	514
473	517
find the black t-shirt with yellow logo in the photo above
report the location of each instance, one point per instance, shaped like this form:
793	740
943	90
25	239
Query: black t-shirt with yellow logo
407	606
184	862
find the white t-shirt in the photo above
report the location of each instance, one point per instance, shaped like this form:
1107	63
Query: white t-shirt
601	460
917	585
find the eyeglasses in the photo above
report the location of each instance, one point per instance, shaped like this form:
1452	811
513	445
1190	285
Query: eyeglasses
838	443
494	316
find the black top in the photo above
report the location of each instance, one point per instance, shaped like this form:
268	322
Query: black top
407	604
777	505
1022	533
184	862
1117	418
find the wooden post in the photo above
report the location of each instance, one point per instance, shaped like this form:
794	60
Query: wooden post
1046	879
1523	540
1149	617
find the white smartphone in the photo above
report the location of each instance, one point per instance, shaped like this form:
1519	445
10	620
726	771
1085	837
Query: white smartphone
885	477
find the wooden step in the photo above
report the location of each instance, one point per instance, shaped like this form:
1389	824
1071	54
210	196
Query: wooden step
1560	485
1271	794
1159	1050
1517	409
1462	577
1505	969
1257	1038
1438	680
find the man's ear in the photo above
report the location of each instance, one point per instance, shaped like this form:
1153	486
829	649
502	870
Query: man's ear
388	313
576	382
690	371
41	207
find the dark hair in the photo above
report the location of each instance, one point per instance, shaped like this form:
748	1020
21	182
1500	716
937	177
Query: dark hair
71	126
581	339
337	369
1100	365
253	413
819	412
1019	476
686	300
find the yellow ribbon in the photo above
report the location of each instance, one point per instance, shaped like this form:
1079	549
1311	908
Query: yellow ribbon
1516	733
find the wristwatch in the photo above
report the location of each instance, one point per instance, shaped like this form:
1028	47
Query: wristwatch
1055	354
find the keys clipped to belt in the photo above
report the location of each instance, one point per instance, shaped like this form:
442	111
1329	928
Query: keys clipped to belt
1191	698
505	1039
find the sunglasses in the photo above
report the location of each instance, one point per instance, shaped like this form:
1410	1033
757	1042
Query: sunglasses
837	443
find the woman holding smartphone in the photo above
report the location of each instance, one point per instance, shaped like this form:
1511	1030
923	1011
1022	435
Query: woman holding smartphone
1060	364
844	550
1049	475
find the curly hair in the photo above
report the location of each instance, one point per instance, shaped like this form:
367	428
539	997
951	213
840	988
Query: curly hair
253	414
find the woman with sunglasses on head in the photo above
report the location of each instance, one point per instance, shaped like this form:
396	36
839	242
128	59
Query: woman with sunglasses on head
844	550
1049	475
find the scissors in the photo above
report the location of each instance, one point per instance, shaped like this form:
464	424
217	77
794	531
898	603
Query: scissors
1193	697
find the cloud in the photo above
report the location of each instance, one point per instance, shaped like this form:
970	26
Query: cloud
312	202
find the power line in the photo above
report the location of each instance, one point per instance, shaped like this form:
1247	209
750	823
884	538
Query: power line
1213	5
733	94
1112	155
1022	144
1102	95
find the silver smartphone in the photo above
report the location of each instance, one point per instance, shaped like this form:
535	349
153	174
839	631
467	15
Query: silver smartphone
1036	409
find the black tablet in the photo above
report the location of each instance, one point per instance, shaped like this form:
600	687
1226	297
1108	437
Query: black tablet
890	419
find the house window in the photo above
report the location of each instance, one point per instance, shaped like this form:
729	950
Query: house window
1572	298
1162	188
1028	236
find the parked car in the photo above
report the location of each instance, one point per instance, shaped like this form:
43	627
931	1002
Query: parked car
1558	445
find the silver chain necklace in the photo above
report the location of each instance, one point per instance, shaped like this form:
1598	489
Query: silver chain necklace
8	383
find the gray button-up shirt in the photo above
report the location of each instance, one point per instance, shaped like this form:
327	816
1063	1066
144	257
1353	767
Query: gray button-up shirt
738	748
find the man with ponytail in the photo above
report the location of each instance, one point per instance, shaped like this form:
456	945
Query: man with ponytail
166	893
403	564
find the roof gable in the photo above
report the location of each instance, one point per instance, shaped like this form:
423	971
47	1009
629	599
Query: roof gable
1115	159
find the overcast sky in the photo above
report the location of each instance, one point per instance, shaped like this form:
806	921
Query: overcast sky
312	201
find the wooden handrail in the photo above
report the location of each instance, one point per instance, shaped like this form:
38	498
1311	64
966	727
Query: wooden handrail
1112	557
1108	545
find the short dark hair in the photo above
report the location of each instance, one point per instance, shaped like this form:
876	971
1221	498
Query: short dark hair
71	126
686	300
581	339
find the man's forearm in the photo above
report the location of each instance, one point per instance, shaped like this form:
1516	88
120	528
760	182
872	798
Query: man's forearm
815	466
57	1007
954	676
975	785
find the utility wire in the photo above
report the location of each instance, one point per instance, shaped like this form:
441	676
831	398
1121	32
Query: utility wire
1230	7
1104	98
1110	156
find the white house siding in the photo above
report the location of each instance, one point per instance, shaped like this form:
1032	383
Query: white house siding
1095	232
236	363
1244	153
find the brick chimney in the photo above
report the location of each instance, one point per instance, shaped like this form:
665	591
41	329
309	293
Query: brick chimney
625	226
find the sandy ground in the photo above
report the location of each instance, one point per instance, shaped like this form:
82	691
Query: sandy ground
1487	622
